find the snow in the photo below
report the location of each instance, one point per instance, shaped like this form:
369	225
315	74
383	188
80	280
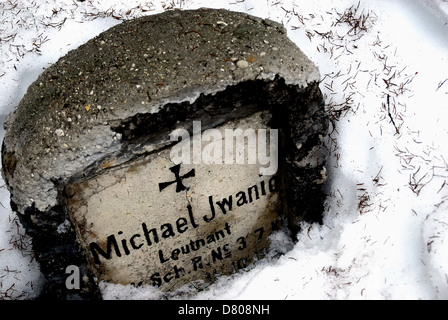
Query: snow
385	229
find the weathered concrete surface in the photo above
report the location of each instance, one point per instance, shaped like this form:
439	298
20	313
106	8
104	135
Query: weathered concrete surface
117	97
137	67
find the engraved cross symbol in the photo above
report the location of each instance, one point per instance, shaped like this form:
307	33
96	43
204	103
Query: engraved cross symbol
179	185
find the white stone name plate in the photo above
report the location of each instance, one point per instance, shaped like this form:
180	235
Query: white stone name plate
156	222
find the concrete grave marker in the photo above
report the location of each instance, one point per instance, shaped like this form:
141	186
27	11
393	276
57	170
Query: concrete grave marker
166	151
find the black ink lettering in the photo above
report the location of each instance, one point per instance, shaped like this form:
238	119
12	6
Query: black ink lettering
242	243
233	267
263	191
227	228
212	208
185	249
223	203
198	244
192	246
111	242
175	254
179	185
167	278
156	280
154	234
242	263
124	245
190	214
249	191
219	234
201	242
226	248
162	258
197	263
139	284
179	272
132	241
260	254
182	225
211	238
242	199
217	255
169	230
260	234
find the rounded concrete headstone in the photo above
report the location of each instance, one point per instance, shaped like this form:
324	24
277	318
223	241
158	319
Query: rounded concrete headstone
166	150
